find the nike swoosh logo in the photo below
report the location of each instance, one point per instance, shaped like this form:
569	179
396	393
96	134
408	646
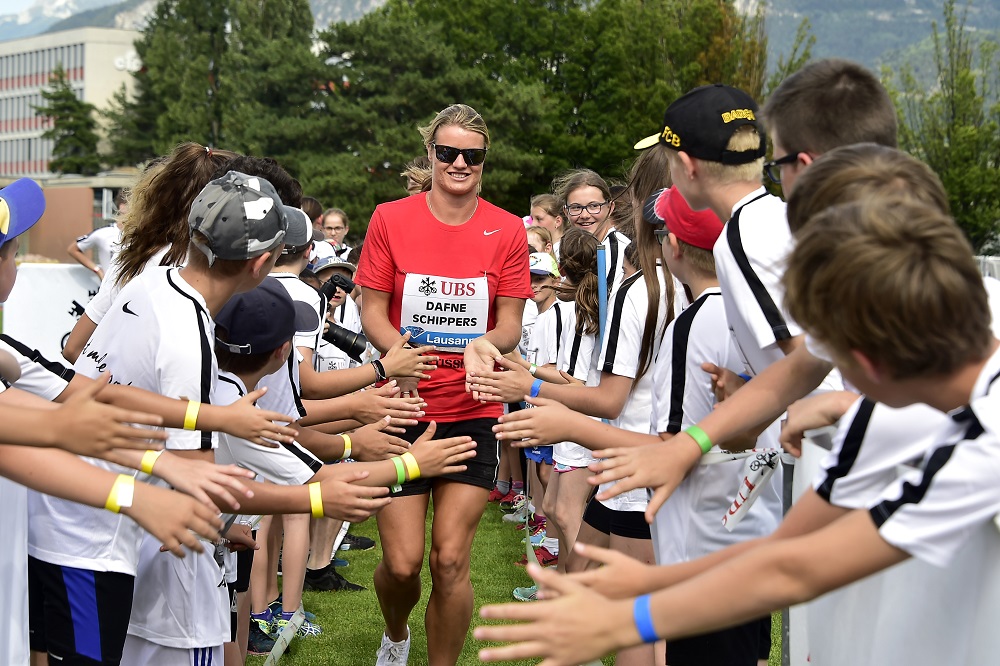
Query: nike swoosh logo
127	311
490	233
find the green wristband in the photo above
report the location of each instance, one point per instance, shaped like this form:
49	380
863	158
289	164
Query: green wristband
400	470
700	438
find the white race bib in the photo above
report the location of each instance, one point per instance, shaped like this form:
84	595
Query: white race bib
445	312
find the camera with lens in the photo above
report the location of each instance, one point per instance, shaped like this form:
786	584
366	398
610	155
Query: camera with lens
351	343
330	287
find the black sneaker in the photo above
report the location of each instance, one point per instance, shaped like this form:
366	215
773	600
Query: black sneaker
328	580
259	642
352	542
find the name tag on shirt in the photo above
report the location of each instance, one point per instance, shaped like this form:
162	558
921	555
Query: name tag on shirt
445	312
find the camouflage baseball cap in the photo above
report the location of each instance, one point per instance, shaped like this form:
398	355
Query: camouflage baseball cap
238	217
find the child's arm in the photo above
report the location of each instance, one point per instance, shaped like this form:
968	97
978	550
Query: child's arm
169	516
399	361
511	385
551	421
364	406
240	419
81	425
581	625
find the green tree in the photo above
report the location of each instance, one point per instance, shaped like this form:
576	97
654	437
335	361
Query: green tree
132	124
73	130
955	126
182	50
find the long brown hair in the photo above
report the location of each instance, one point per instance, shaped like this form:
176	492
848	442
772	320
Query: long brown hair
650	172
159	205
578	264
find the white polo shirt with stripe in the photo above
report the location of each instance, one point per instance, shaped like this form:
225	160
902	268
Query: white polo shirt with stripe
158	336
627	309
577	356
690	523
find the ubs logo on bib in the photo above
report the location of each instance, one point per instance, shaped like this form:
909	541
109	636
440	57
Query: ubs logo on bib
457	288
428	287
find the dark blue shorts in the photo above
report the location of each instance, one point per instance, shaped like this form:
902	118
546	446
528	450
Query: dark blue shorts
540	454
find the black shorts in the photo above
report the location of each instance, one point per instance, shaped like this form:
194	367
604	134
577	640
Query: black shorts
628	524
78	616
482	470
736	646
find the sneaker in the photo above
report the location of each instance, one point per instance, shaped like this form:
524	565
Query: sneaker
519	515
352	542
275	609
330	581
339	563
264	621
259	642
306	629
510	501
536	539
543	555
393	654
526	593
496	495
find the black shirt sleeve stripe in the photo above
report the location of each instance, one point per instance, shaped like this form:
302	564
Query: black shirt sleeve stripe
913	493
849	451
574	353
558	327
239	389
308	459
613	264
207	354
295	389
771	311
678	374
56	368
614	326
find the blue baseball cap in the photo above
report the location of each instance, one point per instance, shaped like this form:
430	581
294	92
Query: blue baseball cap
263	319
21	206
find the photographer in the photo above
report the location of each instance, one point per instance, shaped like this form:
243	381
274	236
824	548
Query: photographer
343	344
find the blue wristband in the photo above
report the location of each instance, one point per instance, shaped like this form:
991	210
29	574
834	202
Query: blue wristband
644	620
535	388
744	377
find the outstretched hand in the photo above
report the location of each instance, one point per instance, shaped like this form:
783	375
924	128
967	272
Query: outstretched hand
480	356
507	385
661	466
86	427
549	422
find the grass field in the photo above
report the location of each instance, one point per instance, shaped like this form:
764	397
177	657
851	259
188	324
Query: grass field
352	623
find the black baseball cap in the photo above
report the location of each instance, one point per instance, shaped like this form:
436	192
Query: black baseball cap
263	319
701	122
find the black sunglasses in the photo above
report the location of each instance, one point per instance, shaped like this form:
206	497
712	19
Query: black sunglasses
661	235
772	169
448	154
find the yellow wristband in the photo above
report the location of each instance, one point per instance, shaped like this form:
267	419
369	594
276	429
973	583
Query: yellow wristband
121	494
191	415
347	446
149	459
316	499
412	469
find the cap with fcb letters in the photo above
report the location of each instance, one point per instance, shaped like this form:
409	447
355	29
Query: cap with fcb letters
21	206
543	263
701	122
698	228
238	217
263	319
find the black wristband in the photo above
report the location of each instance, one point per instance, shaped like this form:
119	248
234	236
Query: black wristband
379	370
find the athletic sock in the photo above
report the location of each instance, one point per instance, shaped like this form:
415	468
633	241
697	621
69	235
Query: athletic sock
503	486
518	487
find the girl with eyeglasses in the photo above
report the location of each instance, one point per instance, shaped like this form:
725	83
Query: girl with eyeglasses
450	269
588	205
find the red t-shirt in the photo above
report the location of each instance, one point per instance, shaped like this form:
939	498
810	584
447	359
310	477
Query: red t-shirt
437	274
